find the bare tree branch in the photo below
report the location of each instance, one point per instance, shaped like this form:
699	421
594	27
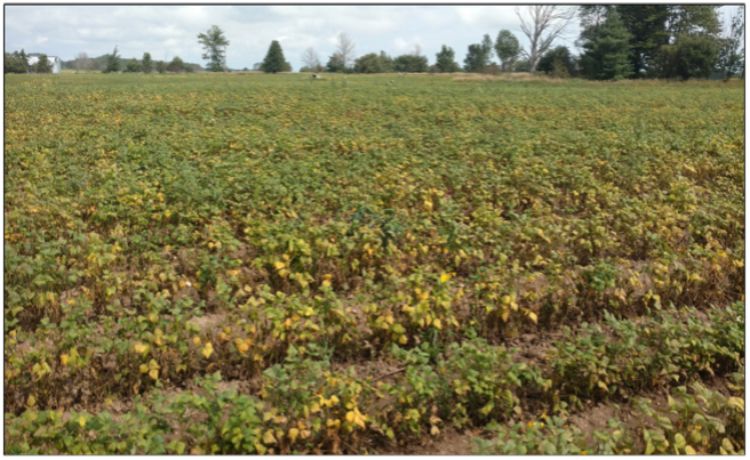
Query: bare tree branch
345	49
311	60
545	24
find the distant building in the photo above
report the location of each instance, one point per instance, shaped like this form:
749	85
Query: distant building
54	61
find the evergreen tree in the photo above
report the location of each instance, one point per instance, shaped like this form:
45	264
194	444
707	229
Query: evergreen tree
146	63
607	50
647	25
112	62
274	60
445	60
507	49
214	48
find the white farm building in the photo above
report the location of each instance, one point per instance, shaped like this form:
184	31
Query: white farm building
54	61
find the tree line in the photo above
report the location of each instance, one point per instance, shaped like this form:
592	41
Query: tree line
617	41
18	62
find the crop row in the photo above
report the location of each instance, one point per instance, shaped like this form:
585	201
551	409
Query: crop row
308	404
694	419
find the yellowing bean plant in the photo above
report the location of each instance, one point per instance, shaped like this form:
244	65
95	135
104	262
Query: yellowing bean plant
199	264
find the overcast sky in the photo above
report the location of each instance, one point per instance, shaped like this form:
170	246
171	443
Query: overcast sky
168	31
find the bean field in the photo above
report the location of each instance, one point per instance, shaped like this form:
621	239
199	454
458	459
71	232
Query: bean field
265	264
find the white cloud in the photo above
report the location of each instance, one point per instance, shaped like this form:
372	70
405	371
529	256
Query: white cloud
169	30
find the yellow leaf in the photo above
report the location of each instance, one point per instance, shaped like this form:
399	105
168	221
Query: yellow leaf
268	437
445	277
64	358
505	315
689	450
208	350
196	341
81	421
242	345
278	265
154	374
355	417
533	317
434	430
436	322
737	403
293	433
141	348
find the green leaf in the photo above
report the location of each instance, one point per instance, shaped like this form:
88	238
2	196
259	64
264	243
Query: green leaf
679	441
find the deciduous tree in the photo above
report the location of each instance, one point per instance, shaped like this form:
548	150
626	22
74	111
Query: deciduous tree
43	65
147	65
112	62
557	62
345	50
544	24
214	48
176	65
374	63
445	60
507	49
410	63
732	54
310	61
477	58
